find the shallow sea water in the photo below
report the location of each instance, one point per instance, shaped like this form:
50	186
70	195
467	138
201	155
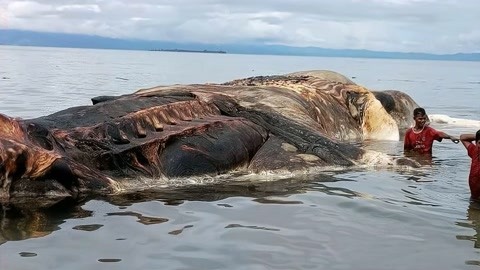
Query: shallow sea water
362	218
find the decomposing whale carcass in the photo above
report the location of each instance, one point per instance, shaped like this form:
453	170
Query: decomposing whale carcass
267	123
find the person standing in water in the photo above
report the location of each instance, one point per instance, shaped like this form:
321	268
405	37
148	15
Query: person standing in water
419	139
473	150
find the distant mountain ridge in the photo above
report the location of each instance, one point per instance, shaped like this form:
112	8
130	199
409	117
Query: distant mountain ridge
48	39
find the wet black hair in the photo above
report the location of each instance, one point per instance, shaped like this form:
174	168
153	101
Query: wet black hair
419	111
477	136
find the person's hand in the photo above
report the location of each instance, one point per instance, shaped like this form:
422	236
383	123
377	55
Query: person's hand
455	140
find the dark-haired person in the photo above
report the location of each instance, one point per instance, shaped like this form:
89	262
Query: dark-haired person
419	139
473	150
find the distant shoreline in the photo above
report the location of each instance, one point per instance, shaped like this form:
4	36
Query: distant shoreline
190	51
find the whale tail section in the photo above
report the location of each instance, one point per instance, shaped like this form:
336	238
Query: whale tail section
461	122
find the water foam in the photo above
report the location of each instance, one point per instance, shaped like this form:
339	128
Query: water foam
129	185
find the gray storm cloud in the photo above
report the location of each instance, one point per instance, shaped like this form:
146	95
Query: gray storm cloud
442	26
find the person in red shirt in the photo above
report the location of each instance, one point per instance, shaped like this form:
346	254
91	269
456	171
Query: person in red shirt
473	150
419	139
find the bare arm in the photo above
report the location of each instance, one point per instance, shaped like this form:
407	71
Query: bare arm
446	136
467	139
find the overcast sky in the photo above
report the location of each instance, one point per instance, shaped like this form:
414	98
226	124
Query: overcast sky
433	26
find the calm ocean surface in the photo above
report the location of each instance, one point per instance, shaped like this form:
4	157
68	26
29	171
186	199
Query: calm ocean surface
357	219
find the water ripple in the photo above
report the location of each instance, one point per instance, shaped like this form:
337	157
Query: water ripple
88	228
230	226
141	218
